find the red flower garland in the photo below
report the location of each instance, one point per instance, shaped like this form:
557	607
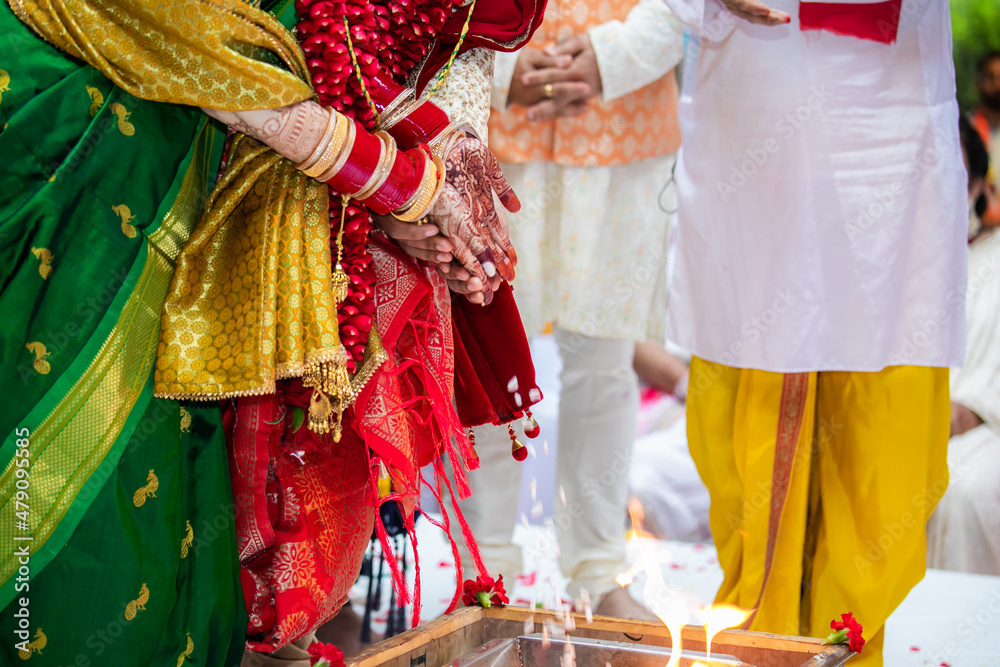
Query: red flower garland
387	35
484	591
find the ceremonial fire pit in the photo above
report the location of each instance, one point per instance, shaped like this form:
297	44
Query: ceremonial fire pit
510	637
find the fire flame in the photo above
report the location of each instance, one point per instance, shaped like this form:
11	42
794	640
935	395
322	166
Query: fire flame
637	515
722	617
669	605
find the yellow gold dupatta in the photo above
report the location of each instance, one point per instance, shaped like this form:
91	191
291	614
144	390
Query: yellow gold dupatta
251	300
218	54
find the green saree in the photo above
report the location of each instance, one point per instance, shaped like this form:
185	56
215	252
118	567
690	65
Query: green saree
126	507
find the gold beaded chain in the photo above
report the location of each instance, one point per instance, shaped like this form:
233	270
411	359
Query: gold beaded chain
357	70
339	279
447	67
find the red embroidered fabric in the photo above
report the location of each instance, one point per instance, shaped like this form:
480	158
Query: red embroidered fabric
306	506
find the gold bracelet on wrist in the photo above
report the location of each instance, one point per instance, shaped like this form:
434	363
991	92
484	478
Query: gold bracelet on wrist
345	152
425	196
323	142
405	110
445	139
390	115
439	164
332	149
384	168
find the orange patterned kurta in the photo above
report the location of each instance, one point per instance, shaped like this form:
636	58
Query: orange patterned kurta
635	127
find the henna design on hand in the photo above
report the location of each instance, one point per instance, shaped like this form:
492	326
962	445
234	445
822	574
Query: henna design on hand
467	214
293	131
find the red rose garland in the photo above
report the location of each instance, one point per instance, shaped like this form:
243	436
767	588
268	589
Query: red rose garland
390	36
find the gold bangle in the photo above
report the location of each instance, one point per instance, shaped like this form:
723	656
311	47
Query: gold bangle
345	152
389	114
333	146
442	144
318	151
384	169
426	194
406	111
439	163
413	197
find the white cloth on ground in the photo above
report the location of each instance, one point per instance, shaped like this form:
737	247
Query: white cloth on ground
826	227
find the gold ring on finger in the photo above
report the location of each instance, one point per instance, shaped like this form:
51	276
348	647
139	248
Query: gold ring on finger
548	90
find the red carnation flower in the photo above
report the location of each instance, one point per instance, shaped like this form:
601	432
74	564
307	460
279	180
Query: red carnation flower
847	630
484	591
325	655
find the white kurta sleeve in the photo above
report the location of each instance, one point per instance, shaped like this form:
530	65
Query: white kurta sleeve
503	75
465	93
707	18
638	51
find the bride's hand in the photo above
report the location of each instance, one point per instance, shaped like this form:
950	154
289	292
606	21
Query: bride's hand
425	242
467	214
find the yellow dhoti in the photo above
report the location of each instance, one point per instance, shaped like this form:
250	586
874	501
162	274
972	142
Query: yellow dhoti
821	486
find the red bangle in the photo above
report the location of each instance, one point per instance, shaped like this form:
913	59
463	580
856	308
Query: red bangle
399	187
361	163
422	124
383	91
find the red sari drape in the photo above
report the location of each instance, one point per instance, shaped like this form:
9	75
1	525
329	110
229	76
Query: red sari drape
306	505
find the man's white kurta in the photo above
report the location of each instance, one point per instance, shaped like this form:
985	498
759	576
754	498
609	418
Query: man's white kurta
822	195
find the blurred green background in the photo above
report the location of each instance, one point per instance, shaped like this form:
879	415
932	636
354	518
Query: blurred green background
976	30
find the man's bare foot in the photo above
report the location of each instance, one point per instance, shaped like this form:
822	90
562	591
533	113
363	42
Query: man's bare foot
618	603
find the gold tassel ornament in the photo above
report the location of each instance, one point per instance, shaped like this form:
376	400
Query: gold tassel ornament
329	381
331	387
339	281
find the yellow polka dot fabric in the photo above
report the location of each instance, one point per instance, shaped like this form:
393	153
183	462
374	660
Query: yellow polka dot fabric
251	300
220	54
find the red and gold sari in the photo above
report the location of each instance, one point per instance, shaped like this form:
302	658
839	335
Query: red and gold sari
306	503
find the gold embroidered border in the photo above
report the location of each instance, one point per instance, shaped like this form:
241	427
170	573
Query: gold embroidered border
283	372
791	413
375	356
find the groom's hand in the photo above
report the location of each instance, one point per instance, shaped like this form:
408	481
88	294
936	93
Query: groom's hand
582	74
756	11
